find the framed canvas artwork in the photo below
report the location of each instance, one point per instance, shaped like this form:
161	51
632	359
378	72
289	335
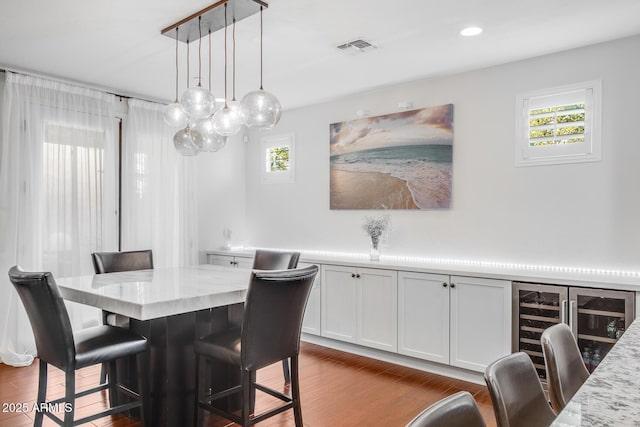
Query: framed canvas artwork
395	161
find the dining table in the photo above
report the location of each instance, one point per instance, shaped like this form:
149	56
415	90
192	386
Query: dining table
171	307
611	394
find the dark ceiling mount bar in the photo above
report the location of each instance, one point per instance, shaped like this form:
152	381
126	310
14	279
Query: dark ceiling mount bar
212	18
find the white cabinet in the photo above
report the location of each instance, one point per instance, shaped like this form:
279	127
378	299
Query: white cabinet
230	260
423	316
480	321
359	305
461	321
339	301
311	320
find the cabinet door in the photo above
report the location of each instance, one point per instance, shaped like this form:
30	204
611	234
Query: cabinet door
224	260
338	306
423	316
243	262
377	308
311	321
480	321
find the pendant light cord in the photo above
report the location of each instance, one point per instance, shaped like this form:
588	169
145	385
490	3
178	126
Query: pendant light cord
209	60
225	56
187	63
234	59
200	50
177	28
261	47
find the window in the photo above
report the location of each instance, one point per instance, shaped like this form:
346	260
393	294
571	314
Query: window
278	161
559	125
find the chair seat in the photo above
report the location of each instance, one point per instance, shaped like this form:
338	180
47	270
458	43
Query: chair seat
224	346
105	343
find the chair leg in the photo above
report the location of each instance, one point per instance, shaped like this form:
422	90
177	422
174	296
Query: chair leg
246	379
112	381
143	390
295	392
103	373
70	397
42	393
286	371
196	414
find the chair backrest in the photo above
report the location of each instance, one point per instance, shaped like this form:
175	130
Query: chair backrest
273	312
111	262
516	393
48	316
457	410
565	368
275	260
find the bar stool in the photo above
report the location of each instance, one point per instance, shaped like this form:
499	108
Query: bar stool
111	262
564	365
516	393
457	410
270	333
58	346
277	260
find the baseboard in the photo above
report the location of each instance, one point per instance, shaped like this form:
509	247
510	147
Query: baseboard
397	359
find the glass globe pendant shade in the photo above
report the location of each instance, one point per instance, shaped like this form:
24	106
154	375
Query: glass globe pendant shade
198	102
205	137
226	122
260	109
183	142
175	115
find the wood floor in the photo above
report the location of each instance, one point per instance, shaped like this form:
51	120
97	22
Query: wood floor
337	389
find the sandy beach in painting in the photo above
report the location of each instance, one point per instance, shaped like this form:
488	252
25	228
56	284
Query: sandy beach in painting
349	191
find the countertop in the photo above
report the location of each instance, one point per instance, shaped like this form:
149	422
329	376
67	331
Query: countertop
611	394
556	275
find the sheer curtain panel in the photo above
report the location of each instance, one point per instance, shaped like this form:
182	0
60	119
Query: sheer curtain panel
158	201
58	200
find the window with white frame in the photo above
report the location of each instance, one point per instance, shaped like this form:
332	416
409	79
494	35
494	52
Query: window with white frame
278	158
559	125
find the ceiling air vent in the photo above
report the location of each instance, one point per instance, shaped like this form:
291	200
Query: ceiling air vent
358	45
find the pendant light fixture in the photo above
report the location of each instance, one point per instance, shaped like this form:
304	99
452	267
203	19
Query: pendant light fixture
198	102
174	114
202	132
206	129
260	109
226	122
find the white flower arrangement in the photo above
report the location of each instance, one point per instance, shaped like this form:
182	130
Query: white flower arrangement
375	227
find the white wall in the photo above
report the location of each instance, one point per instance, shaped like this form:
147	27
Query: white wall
582	215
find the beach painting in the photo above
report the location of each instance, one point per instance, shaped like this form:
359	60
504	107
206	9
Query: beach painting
395	161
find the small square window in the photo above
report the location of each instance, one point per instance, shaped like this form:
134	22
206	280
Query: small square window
278	158
559	125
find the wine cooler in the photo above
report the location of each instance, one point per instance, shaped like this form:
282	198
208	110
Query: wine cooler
597	318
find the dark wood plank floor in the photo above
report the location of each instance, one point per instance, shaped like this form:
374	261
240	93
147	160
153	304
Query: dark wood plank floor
337	389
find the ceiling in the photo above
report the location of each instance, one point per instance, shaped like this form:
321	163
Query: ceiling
116	44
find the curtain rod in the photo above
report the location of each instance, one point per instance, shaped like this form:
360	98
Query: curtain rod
81	84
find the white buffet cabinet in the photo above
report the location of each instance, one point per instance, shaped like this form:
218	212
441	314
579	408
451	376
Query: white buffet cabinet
448	319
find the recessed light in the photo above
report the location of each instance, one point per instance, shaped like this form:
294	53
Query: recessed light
471	31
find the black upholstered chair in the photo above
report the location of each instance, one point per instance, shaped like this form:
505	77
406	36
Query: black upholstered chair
111	262
457	410
270	333
564	365
277	260
58	346
516	393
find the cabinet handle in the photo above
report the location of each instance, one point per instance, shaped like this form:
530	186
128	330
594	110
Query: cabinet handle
571	304
453	285
353	275
231	262
563	313
358	275
444	285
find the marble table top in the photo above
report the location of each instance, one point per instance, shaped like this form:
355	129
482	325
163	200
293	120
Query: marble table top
611	395
150	294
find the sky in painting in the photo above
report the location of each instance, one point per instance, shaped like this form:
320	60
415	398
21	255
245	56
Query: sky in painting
432	125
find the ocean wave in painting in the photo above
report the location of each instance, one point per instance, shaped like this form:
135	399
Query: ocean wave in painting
425	168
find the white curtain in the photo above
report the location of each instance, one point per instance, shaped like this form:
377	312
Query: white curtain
58	201
158	200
